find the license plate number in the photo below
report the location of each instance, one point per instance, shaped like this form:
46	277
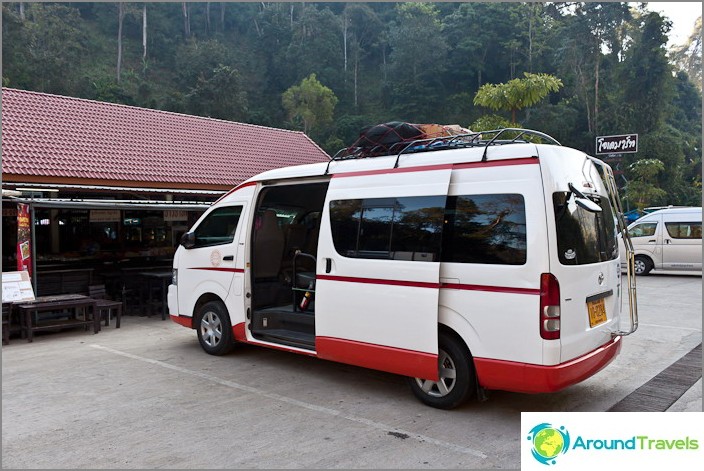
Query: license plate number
597	312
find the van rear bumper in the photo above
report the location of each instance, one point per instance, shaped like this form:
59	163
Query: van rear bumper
530	378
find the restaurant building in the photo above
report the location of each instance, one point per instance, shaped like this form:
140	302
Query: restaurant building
111	186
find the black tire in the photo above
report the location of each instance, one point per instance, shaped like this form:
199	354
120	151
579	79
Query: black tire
214	329
643	265
449	392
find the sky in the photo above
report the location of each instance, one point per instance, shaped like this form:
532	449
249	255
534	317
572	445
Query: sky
682	14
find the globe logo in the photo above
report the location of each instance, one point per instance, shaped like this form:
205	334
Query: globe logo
548	442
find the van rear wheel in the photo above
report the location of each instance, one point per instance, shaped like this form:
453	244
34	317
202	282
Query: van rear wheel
643	265
456	382
214	329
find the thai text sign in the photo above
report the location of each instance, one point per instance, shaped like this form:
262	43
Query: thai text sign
617	144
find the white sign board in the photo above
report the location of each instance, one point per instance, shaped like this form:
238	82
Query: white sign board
16	286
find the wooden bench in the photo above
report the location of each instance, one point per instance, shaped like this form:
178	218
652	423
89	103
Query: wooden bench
104	306
64	311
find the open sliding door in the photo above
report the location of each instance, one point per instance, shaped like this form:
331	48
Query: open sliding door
378	270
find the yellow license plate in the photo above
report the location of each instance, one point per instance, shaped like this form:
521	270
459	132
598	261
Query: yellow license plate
597	312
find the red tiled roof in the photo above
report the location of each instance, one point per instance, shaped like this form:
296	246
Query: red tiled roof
53	138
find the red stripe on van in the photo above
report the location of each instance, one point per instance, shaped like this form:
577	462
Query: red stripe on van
498	163
238	330
362	173
379	357
493	289
379	281
530	378
238	187
234	270
183	320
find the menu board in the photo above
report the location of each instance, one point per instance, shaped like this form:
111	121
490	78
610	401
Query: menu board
16	286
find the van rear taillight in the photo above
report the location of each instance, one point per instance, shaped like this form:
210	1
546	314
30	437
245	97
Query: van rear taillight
549	307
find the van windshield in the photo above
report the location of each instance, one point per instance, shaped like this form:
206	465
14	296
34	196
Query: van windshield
584	237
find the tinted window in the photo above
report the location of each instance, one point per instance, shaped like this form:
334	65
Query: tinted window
584	237
485	229
684	230
645	229
218	227
388	228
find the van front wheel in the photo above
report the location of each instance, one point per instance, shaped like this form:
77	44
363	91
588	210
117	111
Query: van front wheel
643	265
214	330
456	380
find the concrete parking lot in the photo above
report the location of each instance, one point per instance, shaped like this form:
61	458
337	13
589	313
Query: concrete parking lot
147	396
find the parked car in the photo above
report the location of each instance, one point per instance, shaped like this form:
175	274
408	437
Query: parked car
666	239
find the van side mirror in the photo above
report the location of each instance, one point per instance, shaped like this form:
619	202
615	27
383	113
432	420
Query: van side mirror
587	204
188	240
582	201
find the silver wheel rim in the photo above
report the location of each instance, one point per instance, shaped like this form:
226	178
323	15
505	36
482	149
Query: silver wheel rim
640	266
211	329
447	373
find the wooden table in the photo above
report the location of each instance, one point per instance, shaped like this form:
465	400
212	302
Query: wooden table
160	281
77	310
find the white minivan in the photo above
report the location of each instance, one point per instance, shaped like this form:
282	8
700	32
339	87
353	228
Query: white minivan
667	239
465	264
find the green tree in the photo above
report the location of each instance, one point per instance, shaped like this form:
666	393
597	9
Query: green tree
418	52
310	104
517	94
219	95
642	190
647	79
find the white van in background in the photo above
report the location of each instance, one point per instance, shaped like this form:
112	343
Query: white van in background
667	239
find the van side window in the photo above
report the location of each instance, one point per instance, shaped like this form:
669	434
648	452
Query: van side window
485	229
684	230
645	229
218	227
407	228
463	229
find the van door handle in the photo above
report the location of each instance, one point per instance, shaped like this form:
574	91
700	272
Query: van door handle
228	258
328	265
668	241
652	241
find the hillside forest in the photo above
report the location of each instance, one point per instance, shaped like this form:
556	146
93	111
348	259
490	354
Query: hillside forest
329	69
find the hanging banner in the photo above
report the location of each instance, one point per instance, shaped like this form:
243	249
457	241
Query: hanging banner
24	239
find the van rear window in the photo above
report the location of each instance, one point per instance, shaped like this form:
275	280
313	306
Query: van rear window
584	237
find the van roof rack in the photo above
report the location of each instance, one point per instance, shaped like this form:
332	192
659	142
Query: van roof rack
475	139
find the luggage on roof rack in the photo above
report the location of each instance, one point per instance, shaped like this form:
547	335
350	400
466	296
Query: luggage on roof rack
392	137
398	137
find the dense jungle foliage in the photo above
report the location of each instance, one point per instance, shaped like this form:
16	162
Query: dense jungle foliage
332	68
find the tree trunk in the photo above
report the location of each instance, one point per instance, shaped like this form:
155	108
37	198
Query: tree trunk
222	17
186	20
144	36
207	18
120	17
344	40
22	17
356	70
596	91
